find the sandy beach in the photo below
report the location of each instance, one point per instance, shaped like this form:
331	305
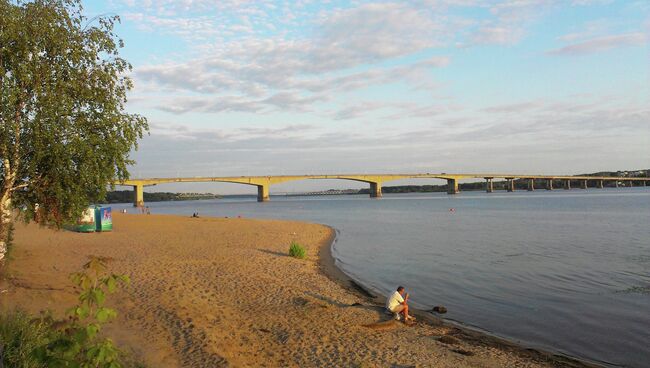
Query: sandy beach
210	292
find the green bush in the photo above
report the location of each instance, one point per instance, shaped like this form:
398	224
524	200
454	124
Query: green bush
74	341
297	251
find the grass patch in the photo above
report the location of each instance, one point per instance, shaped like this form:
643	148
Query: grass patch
21	337
297	251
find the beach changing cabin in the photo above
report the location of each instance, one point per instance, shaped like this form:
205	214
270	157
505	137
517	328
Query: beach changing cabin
103	219
86	222
94	218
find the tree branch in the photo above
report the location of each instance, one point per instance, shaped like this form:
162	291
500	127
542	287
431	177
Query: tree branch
24	185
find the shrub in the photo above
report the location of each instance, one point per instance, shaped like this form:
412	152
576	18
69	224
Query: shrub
70	342
297	251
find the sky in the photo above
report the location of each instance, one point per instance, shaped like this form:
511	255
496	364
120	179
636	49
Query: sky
239	87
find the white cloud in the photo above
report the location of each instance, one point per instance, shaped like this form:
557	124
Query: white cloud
497	35
600	44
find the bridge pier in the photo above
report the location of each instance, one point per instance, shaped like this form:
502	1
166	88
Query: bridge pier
510	184
630	184
531	185
375	190
138	195
583	184
262	193
549	184
489	188
452	186
567	184
600	184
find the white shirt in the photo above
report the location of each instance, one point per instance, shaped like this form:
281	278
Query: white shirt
394	300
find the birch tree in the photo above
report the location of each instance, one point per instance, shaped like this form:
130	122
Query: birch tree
64	132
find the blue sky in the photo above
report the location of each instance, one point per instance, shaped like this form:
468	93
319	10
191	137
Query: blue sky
292	87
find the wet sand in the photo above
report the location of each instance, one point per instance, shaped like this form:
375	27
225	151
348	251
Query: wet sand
210	292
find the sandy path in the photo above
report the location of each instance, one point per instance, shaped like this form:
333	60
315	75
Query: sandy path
222	292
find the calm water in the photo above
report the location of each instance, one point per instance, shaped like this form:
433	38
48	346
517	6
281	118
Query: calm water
567	271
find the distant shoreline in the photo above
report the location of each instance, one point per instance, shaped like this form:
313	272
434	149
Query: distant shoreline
126	196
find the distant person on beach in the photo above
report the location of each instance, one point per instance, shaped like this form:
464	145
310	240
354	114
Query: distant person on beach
396	303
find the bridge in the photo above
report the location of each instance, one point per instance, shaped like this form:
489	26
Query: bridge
375	181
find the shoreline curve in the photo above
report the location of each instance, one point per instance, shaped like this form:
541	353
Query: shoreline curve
475	336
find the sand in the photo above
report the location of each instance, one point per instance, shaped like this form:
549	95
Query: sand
209	292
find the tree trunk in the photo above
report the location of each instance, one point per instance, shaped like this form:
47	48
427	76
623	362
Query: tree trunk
5	221
5	205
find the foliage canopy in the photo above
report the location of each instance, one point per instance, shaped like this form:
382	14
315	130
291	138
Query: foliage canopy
64	131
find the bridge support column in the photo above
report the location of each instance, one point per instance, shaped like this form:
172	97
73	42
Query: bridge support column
583	184
452	186
262	193
616	183
549	184
510	185
138	195
531	185
600	184
567	184
375	190
489	188
630	184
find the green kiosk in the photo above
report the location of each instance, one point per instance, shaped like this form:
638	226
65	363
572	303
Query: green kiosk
93	219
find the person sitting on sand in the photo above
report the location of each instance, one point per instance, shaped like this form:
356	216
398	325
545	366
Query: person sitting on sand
396	303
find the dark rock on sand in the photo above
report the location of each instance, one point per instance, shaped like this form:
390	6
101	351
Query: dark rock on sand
440	309
450	340
463	352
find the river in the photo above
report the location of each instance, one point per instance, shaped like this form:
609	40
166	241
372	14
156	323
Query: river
566	271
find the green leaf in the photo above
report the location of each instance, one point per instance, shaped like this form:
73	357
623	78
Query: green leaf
125	279
104	314
111	284
92	330
82	311
98	296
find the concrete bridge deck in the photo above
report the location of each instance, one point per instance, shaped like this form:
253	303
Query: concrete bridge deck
375	181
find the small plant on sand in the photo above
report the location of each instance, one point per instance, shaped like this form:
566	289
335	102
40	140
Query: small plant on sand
79	345
297	251
74	341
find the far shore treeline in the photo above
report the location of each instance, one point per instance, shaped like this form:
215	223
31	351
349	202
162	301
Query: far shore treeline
498	185
126	196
